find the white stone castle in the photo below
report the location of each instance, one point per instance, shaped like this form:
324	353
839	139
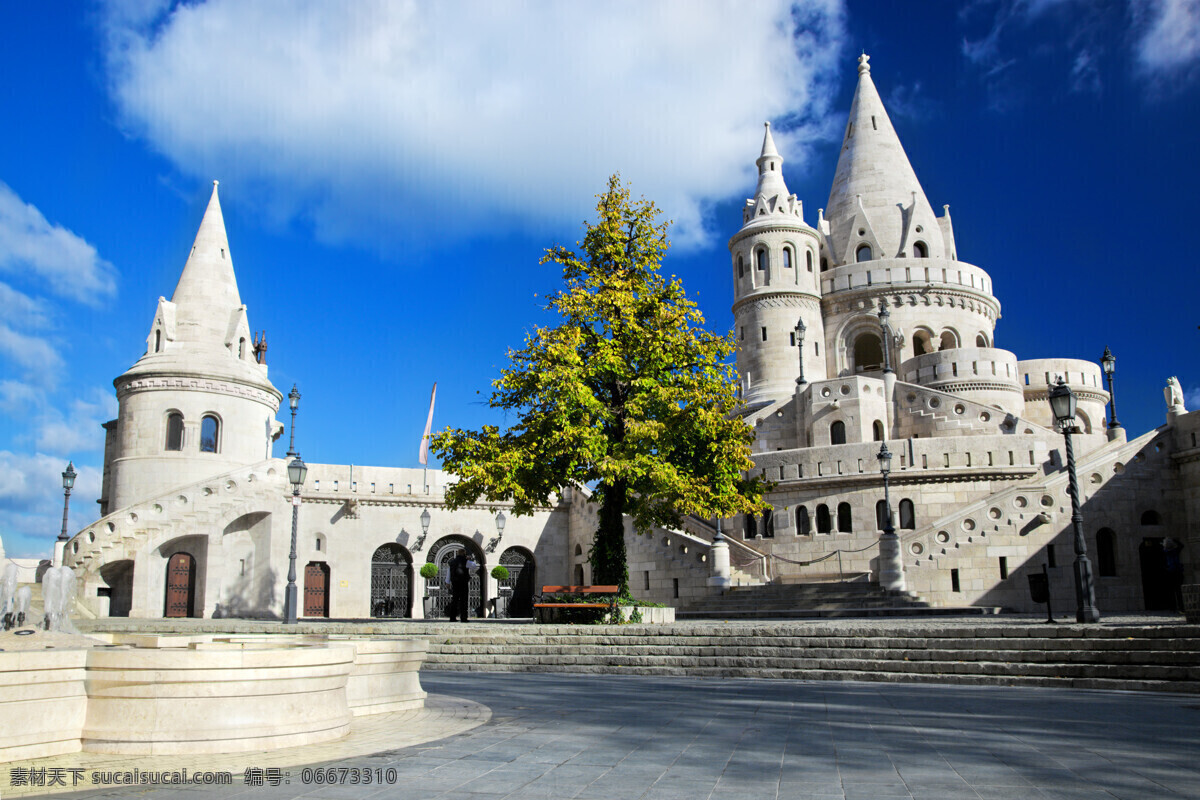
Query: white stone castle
862	330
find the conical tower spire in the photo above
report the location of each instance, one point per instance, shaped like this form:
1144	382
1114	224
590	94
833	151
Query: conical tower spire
206	296
875	189
771	196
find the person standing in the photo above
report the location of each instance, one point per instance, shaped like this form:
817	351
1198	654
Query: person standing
460	583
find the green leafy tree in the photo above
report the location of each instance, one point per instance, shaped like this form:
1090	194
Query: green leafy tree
629	393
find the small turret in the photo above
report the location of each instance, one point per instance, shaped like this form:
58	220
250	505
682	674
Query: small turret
771	196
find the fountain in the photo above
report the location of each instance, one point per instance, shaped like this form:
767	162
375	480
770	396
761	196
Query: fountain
21	606
8	591
58	597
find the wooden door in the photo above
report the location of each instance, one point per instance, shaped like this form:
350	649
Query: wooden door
181	585
316	589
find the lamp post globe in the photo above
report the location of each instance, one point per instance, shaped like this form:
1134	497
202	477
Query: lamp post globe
68	482
891	568
297	472
1063	404
1109	362
801	328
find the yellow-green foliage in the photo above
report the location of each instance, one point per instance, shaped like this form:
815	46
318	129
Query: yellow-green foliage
629	393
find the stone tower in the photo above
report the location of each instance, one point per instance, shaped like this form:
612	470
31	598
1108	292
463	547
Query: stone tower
775	284
198	402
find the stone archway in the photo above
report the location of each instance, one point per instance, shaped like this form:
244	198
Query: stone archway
521	578
441	553
391	582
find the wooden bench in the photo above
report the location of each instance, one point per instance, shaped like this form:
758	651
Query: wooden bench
607	593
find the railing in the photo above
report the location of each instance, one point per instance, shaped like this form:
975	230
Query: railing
838	553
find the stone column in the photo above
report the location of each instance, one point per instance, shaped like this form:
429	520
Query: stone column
719	559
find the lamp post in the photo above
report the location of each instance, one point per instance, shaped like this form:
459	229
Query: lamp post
800	329
424	530
68	484
1062	404
500	521
891	569
884	315
1109	362
294	403
297	471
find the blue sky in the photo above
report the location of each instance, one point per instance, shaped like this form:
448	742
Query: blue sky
391	172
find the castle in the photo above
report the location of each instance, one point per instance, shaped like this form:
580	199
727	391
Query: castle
862	330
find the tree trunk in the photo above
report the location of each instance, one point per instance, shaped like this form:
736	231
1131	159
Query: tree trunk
608	550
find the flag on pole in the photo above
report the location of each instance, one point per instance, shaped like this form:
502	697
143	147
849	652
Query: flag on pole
424	455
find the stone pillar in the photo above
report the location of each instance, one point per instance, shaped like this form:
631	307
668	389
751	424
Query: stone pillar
59	548
891	566
719	559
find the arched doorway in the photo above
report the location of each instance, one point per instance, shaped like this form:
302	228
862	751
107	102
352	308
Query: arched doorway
391	582
181	586
441	553
521	573
1153	560
868	353
316	589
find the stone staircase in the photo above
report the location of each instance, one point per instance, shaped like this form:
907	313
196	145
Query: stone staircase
1141	658
804	600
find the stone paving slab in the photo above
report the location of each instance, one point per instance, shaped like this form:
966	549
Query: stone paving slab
589	737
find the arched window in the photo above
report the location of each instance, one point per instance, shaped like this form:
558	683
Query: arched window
824	264
175	431
880	515
1106	552
922	343
760	260
824	523
920	250
750	526
877	430
157	341
837	433
803	523
741	267
1151	518
863	253
808	259
787	258
768	524
981	341
210	432
242	347
949	341
845	524
868	353
908	519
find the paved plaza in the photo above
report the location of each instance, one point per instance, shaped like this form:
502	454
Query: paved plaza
605	737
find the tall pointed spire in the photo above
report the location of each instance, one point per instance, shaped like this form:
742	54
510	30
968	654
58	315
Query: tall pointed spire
771	196
206	296
875	180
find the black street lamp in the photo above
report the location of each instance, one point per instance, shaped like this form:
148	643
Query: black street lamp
1109	362
294	402
884	315
1062	404
891	570
800	329
68	484
297	472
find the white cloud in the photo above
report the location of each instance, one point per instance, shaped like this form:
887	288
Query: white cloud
30	244
22	310
79	430
433	119
1169	34
38	358
31	500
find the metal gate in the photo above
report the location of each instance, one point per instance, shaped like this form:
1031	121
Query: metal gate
316	589
520	580
391	582
442	552
181	586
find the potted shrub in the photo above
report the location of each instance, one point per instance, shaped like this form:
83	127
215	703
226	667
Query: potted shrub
500	573
429	572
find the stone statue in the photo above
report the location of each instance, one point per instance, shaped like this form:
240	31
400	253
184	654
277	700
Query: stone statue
1174	395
